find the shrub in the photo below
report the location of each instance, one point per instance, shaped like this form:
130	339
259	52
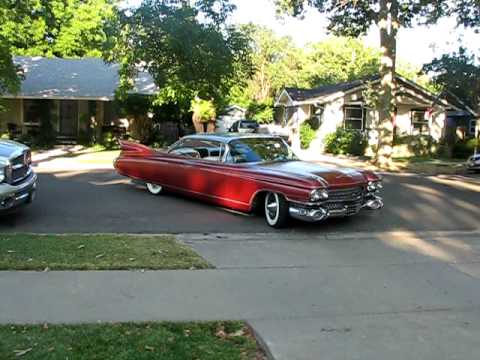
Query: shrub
463	149
262	112
344	141
418	145
109	140
307	134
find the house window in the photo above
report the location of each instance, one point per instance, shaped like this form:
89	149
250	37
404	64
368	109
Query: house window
353	117
473	127
419	121
34	111
316	113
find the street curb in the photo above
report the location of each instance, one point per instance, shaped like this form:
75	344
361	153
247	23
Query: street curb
260	341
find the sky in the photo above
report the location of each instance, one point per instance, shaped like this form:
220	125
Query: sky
418	45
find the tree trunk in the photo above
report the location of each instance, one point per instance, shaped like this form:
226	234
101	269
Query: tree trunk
388	24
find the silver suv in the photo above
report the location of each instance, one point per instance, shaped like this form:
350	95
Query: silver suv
18	182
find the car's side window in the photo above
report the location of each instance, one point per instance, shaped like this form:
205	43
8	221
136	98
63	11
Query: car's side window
199	149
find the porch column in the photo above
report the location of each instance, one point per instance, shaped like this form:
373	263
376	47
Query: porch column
99	119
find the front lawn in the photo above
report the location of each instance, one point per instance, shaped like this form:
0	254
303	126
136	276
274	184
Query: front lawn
95	252
129	341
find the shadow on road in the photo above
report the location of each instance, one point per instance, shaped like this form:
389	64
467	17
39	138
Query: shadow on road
102	201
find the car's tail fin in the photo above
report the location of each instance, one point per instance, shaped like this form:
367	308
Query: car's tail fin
135	148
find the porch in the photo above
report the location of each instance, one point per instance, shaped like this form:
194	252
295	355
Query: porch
68	118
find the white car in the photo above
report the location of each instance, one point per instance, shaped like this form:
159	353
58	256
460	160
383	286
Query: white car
473	162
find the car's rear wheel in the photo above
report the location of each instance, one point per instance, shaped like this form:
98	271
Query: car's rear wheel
276	210
154	189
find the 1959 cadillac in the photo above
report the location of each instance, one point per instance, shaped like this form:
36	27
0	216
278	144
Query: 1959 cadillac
246	172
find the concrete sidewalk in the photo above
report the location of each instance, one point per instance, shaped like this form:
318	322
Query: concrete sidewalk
361	296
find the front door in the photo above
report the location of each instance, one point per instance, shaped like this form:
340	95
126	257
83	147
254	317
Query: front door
68	117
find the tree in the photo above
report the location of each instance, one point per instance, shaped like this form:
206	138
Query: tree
354	18
62	28
276	63
339	59
186	46
459	74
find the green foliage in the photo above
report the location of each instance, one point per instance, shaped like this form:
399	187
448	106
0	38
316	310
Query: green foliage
344	141
339	59
459	74
464	149
419	145
262	112
203	110
62	28
307	134
9	79
109	140
186	47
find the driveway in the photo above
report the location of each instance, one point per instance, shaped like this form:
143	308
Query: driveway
101	201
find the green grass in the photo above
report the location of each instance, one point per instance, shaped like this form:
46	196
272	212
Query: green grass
128	341
95	252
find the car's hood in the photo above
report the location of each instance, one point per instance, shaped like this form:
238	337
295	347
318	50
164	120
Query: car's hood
10	149
323	175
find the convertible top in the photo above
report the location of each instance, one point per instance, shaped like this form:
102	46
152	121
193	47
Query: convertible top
227	137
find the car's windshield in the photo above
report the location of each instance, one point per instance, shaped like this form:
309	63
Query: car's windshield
250	150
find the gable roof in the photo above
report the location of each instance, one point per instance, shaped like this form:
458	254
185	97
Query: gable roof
297	94
87	78
324	93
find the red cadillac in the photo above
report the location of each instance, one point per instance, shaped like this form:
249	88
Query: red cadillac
246	172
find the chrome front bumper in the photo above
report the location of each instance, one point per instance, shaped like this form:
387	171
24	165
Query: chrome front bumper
318	213
12	196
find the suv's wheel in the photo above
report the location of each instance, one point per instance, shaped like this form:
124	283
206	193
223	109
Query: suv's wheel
276	210
154	189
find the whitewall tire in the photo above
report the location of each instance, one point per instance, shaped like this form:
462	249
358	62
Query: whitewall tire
154	189
276	210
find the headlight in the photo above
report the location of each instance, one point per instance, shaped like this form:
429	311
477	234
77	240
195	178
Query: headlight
373	186
3	170
319	194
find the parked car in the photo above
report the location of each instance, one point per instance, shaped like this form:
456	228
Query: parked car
245	172
244	126
473	162
18	182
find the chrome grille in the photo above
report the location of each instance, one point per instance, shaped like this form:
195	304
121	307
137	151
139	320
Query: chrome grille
20	168
345	202
347	194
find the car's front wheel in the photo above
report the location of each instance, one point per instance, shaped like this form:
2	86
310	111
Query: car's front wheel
276	210
154	189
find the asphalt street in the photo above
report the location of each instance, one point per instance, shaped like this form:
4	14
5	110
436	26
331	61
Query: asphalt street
101	201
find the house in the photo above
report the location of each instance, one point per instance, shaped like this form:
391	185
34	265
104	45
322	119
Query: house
72	92
418	111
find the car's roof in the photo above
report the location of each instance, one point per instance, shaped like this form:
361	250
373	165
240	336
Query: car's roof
227	137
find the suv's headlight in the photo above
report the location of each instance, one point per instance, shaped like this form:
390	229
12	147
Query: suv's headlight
373	186
319	194
5	170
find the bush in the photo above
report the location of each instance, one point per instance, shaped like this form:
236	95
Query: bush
418	145
344	141
307	134
109	140
262	112
463	149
